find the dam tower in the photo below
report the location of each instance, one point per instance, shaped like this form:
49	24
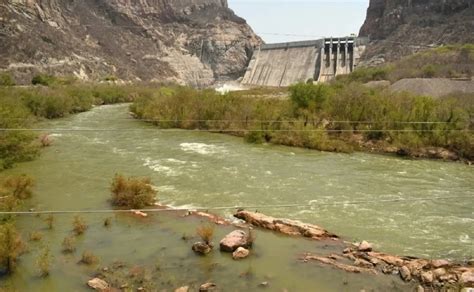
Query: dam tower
283	64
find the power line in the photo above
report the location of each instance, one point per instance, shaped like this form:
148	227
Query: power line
254	121
226	130
309	204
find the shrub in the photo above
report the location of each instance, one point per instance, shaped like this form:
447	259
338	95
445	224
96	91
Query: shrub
50	221
132	192
206	232
43	79
6	80
36	236
88	258
19	187
43	262
69	244
11	247
79	225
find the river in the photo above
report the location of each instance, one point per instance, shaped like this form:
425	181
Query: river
195	169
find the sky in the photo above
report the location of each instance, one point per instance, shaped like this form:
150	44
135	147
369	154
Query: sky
292	20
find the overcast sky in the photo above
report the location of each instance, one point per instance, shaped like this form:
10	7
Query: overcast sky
308	19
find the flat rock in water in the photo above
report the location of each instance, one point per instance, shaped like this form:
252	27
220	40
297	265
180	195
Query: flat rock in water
234	240
98	284
240	253
207	287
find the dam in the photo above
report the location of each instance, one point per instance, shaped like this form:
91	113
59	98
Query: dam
283	64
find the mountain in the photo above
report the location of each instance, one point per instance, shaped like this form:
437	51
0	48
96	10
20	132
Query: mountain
401	27
194	42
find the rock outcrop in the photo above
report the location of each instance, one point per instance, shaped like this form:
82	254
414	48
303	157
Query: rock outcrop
285	226
401	27
192	42
234	240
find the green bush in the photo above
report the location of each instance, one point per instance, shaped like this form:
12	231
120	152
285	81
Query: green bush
340	116
43	79
6	80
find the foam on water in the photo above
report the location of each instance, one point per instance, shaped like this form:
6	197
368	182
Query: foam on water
201	148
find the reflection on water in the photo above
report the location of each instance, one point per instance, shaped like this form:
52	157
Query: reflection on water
209	170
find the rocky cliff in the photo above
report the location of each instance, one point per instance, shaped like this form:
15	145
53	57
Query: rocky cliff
193	42
401	27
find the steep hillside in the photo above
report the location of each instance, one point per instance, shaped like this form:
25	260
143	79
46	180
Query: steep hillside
401	27
189	41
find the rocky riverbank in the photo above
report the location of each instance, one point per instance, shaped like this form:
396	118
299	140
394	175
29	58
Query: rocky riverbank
432	275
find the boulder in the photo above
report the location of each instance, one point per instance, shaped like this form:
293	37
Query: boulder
427	277
439	272
439	263
405	273
365	246
98	284
207	287
234	240
467	278
182	289
201	248
240	253
420	288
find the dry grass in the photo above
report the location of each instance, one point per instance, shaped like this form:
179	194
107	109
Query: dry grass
44	262
36	236
50	221
79	225
206	232
69	244
88	258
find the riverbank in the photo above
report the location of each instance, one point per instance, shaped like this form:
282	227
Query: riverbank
205	170
340	117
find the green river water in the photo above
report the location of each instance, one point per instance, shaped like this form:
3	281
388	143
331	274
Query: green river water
195	169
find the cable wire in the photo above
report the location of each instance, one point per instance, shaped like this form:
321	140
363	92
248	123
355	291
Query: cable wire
309	204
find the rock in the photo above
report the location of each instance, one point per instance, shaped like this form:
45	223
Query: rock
347	250
98	284
263	284
234	240
182	289
405	273
427	277
439	272
207	287
201	248
439	263
420	288
240	253
467	278
363	263
285	226
171	48
139	213
365	246
470	262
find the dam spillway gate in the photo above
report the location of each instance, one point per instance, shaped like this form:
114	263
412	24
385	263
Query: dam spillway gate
320	60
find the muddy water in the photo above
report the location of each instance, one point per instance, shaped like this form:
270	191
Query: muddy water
211	170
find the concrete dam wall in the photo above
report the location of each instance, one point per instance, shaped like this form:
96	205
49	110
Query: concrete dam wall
321	60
